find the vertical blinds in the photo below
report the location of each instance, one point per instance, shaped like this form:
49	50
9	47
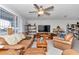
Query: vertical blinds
6	15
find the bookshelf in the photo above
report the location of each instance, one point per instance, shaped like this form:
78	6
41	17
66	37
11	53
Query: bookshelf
31	29
73	28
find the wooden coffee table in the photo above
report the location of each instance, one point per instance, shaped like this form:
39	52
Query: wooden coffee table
42	44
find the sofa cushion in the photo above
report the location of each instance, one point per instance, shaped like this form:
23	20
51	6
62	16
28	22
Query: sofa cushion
34	51
68	37
24	42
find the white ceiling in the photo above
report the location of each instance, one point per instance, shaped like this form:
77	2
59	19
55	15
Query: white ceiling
61	11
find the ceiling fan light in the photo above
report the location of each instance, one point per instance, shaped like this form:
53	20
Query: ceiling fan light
41	12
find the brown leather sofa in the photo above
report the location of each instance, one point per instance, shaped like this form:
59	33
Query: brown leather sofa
65	43
70	52
35	51
23	44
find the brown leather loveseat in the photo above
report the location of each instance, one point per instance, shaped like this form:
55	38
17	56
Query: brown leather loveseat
65	43
23	44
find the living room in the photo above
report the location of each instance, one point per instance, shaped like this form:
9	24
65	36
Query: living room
43	34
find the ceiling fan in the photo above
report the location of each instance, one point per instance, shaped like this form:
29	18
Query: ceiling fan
41	11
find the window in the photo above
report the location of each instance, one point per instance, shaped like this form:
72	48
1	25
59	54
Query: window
3	26
6	19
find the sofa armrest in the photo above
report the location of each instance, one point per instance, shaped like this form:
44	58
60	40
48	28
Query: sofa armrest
2	41
16	47
62	41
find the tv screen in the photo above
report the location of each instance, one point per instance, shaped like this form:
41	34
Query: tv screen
43	28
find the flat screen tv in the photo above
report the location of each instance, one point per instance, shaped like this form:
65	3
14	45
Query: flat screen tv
43	28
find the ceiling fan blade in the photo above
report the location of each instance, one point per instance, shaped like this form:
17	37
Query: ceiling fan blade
49	8
36	6
46	13
32	12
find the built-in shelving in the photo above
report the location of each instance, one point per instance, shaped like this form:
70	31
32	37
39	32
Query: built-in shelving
73	28
31	29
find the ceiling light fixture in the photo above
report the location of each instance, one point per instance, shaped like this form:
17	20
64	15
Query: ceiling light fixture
42	11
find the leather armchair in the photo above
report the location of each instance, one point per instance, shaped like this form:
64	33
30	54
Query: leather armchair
65	43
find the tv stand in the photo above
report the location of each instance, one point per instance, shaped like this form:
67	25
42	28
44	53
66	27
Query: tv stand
45	34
